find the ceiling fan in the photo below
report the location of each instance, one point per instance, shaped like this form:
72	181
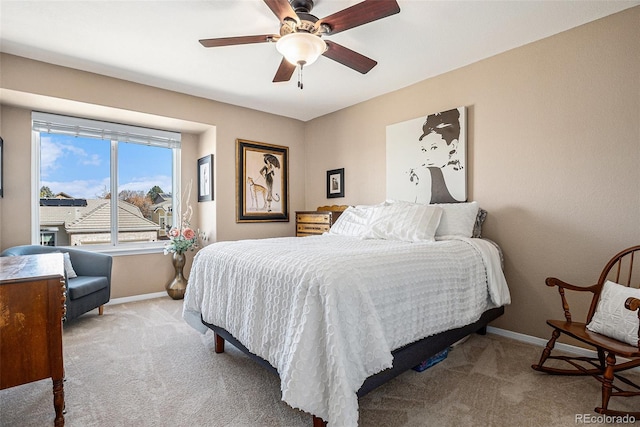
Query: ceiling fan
300	39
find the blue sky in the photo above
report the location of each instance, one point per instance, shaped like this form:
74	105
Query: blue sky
80	166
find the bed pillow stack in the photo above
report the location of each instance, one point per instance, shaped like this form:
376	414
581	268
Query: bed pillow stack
406	221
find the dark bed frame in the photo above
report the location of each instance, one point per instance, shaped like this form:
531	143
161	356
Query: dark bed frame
404	358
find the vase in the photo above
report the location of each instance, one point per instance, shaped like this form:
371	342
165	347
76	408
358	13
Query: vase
178	285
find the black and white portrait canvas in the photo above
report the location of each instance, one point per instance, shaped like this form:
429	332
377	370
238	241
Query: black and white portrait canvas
426	158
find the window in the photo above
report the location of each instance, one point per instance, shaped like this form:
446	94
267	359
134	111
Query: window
84	165
48	237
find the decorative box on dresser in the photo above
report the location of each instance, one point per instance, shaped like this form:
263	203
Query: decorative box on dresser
32	298
309	223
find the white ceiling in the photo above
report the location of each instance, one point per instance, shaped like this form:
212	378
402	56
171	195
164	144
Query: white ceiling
156	43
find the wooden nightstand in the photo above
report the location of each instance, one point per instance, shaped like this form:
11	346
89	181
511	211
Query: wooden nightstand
309	223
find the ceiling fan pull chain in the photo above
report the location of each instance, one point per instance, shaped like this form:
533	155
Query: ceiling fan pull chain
300	85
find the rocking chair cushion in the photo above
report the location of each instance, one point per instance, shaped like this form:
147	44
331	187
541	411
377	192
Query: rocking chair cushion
611	318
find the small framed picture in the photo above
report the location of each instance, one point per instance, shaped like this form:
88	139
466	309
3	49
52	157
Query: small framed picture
205	178
335	183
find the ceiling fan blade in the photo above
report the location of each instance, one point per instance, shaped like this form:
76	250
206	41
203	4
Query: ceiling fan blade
359	14
282	9
348	57
230	41
285	71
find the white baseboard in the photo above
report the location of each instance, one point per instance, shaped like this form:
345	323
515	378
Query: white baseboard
578	351
142	297
540	342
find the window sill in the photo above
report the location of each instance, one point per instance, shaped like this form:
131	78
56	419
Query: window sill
134	250
123	250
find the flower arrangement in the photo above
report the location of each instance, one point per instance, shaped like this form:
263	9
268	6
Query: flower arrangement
183	238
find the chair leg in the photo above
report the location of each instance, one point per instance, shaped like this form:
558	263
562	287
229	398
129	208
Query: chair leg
100	310
601	358
547	350
607	383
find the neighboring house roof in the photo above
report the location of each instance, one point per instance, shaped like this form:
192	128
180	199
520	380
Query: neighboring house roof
61	201
62	195
165	205
60	215
95	217
162	197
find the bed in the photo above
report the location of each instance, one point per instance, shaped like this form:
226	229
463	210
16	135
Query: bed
338	314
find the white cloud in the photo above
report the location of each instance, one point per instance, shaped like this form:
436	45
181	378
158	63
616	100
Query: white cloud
93	160
51	152
145	183
80	189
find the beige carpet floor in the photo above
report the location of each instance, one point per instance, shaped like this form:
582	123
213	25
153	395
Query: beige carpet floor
140	364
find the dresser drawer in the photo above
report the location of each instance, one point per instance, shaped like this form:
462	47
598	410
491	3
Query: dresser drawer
315	218
309	223
313	228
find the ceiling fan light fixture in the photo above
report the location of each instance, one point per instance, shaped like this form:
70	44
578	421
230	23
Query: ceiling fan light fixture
301	48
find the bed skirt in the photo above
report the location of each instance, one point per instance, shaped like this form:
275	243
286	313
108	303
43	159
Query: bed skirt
404	358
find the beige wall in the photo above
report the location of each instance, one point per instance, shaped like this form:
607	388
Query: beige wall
208	127
553	154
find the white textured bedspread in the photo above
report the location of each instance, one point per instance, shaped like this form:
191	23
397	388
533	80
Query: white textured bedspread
326	311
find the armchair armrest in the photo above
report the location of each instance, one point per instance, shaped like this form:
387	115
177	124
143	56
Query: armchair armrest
552	281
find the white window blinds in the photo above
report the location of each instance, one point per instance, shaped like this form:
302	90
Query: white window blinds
67	125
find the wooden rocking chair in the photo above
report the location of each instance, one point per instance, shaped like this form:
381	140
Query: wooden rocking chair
604	367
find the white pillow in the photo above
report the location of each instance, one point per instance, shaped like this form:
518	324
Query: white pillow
405	222
611	318
354	221
68	267
458	219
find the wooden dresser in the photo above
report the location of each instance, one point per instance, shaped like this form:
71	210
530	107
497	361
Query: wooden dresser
309	223
32	298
